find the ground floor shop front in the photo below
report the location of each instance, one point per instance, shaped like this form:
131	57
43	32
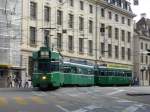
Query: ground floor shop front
9	76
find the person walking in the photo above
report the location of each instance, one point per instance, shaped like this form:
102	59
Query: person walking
20	83
26	85
16	83
9	81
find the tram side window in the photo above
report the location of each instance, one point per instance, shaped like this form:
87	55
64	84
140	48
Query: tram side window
90	72
96	72
109	73
74	70
123	74
67	70
102	73
85	71
54	66
129	74
119	73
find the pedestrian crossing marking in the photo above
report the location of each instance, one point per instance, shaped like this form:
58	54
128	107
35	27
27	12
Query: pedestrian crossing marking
38	100
20	100
3	101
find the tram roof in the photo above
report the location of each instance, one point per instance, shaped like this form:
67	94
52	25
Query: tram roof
113	68
77	64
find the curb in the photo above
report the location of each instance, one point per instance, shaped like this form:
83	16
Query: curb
137	94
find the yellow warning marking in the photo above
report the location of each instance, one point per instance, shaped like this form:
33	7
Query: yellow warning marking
38	100
20	100
3	101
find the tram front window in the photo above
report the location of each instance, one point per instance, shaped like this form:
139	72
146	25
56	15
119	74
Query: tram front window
44	67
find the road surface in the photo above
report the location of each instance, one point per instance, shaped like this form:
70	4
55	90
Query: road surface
75	99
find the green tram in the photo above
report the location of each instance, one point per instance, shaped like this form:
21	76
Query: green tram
51	72
47	67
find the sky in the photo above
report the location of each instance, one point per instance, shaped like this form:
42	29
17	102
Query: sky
143	7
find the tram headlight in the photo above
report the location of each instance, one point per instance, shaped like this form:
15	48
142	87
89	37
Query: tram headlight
44	77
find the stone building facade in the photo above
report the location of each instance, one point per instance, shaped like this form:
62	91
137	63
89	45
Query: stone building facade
97	31
10	37
141	44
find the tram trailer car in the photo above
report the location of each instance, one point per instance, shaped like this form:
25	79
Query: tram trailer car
78	74
47	69
105	76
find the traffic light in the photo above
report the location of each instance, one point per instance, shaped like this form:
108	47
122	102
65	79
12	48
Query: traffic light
148	52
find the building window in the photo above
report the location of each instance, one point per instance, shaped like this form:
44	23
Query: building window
60	1
81	23
30	65
146	60
102	49
71	20
59	17
90	26
146	46
109	15
71	3
81	45
123	35
33	36
116	33
123	52
141	45
129	22
59	41
116	17
33	10
110	31
46	34
70	43
129	37
109	50
116	52
129	54
46	13
91	8
142	58
123	20
102	29
81	5
146	78
90	47
102	12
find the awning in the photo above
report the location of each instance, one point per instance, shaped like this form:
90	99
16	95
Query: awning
5	66
17	68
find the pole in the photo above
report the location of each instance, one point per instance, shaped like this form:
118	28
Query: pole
48	37
96	35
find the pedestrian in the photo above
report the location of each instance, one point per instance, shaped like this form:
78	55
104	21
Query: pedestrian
26	85
20	83
10	81
16	82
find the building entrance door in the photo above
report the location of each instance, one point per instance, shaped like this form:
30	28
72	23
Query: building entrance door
3	78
